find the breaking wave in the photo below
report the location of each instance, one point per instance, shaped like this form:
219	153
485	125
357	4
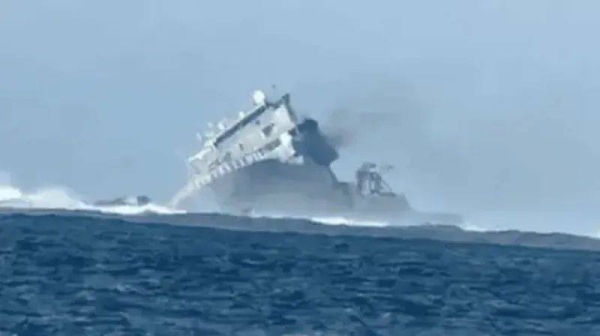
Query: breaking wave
327	220
63	204
346	221
61	198
470	226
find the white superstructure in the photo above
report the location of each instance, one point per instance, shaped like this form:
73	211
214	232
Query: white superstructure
265	132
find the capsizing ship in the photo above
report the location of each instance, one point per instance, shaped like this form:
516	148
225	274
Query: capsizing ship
269	161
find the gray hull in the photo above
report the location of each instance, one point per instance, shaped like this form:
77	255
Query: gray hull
312	190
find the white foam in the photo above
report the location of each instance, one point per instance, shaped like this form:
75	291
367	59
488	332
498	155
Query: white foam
61	198
338	220
137	209
8	192
46	198
54	198
468	226
326	220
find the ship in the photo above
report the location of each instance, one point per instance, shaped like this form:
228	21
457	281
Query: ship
272	162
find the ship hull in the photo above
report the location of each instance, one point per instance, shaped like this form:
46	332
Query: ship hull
312	190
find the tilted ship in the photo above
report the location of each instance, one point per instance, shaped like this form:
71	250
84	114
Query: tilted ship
271	162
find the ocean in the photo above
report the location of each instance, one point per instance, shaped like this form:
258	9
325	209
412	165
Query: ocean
86	275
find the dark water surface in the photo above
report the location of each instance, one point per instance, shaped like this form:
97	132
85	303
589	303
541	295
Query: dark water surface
91	276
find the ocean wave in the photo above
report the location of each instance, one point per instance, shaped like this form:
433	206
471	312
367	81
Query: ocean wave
470	226
75	275
339	220
252	225
327	220
61	198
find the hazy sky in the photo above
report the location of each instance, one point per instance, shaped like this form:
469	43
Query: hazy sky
488	107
